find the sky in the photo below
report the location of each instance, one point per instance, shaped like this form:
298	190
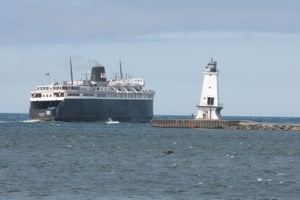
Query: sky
168	43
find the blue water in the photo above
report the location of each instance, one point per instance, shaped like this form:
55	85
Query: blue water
58	160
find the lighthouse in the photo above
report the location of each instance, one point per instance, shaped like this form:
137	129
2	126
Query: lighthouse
209	107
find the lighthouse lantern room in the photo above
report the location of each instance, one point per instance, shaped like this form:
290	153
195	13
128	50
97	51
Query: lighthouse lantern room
210	106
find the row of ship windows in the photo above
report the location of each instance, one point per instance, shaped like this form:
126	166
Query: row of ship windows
93	95
58	88
113	95
39	95
69	88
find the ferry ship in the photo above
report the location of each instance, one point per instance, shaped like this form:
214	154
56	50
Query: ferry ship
97	99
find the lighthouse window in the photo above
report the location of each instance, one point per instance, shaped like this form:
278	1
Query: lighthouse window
210	101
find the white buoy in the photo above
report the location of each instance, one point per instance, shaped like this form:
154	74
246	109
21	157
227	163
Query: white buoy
210	106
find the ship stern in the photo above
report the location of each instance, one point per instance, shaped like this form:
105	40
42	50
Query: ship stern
42	114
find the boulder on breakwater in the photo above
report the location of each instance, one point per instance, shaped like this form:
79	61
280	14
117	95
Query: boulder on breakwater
251	125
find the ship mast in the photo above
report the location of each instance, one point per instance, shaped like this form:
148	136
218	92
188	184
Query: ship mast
71	71
121	73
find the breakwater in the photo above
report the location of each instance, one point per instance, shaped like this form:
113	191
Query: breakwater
223	124
192	123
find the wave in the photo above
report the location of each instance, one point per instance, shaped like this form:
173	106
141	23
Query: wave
31	121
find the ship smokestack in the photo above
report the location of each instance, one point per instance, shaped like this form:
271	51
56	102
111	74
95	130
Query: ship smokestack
98	74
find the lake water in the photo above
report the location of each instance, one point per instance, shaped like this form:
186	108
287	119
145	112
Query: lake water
59	160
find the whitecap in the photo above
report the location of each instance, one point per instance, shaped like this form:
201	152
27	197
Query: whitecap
6	121
259	179
228	155
31	121
177	164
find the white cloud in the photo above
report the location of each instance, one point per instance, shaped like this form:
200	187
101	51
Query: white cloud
90	20
217	35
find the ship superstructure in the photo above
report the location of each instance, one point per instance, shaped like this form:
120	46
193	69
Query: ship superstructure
122	99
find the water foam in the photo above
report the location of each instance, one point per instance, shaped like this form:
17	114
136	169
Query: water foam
31	121
6	122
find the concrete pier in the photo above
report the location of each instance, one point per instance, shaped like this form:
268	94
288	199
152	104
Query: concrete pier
222	124
192	123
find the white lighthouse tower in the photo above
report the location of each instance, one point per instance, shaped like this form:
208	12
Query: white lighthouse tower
210	106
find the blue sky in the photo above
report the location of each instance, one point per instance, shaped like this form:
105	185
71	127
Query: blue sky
256	44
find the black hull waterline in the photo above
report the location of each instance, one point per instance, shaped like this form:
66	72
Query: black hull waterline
94	110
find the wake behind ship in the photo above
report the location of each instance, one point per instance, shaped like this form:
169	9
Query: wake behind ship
97	99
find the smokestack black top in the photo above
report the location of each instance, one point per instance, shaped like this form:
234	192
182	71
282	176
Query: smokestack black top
98	74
